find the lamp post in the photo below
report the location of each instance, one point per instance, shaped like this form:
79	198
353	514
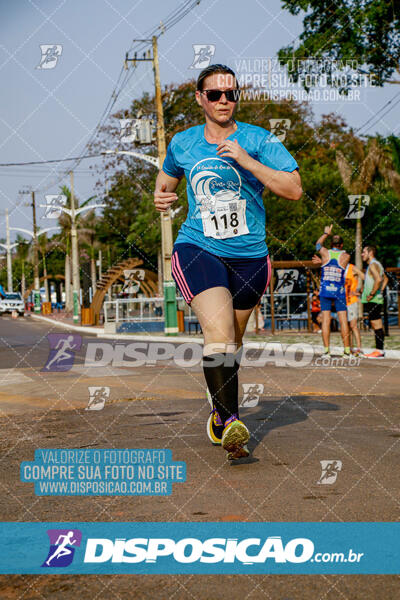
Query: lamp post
36	282
8	247
73	213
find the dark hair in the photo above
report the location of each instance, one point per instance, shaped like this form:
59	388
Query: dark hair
337	240
371	248
213	69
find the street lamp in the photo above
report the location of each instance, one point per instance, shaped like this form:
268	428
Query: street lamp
36	282
73	213
146	157
8	247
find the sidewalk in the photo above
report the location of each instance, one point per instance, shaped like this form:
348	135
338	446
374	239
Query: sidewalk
251	340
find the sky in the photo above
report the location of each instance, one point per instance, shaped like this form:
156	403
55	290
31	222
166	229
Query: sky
51	113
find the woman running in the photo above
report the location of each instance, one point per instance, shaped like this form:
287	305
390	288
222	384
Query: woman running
220	259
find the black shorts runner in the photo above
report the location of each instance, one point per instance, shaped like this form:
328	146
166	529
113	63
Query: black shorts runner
195	270
373	311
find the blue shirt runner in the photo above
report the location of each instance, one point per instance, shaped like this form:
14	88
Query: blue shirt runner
332	276
226	213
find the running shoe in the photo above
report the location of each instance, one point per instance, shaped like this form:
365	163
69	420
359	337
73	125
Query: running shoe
215	427
346	354
375	354
235	437
356	352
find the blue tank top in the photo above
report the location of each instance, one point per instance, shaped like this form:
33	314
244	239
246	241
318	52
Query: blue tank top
332	276
226	214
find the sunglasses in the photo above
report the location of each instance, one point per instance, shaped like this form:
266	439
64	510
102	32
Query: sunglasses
215	95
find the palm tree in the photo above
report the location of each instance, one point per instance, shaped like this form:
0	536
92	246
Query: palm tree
389	166
358	180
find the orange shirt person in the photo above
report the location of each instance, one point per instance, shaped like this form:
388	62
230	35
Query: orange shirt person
352	288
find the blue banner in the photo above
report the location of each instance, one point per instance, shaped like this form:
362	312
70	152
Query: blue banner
103	472
195	548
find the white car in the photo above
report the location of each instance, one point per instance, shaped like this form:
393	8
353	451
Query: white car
12	301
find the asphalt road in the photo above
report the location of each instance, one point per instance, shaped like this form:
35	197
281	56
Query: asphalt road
303	415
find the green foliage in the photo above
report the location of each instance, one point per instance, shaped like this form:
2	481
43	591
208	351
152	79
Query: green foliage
394	145
381	224
364	31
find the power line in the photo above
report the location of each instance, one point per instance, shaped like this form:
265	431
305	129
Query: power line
45	162
377	113
122	81
174	17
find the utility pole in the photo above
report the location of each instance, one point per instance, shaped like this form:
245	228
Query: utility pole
170	316
74	255
169	288
35	247
34	235
9	262
36	282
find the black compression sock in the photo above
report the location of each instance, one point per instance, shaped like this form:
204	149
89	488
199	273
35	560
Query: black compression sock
220	371
238	357
379	338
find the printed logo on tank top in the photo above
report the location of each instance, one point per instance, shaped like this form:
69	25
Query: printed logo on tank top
332	273
216	185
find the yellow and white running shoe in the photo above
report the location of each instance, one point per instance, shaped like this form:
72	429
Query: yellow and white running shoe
235	437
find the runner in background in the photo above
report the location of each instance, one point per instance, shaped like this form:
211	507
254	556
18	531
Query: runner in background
332	294
375	281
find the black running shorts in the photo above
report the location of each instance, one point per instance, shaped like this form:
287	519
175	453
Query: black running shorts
195	270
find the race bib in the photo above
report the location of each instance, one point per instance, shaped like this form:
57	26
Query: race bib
226	220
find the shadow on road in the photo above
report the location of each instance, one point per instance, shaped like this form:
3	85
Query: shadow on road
272	414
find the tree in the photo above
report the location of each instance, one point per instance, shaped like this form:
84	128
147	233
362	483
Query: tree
364	31
358	179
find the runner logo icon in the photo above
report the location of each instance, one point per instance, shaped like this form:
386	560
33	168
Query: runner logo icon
62	351
251	394
62	547
330	470
97	397
50	55
357	206
203	54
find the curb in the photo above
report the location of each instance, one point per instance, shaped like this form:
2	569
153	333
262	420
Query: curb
67	325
